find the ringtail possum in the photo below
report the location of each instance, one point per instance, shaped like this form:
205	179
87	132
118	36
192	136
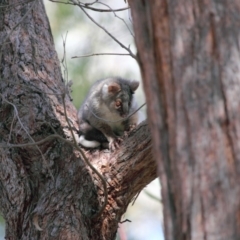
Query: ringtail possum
103	116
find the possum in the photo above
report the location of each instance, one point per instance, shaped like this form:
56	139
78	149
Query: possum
106	113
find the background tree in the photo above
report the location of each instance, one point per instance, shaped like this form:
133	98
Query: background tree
189	58
48	190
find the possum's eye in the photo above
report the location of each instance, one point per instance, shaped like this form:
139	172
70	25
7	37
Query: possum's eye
118	104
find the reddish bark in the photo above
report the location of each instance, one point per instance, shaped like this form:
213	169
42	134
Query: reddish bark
47	191
189	57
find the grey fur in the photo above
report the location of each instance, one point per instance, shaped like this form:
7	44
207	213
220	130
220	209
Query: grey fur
100	121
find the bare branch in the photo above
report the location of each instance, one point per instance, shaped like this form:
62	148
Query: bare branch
106	31
126	220
91	3
64	63
86	5
152	196
106	10
26	131
123	119
75	145
11	128
118	18
82	6
64	59
101	54
35	143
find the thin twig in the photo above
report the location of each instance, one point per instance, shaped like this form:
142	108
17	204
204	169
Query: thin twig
152	196
82	6
106	31
106	10
35	143
88	163
64	59
130	16
86	5
99	54
126	220
64	62
123	119
21	124
11	128
91	3
135	198
118	17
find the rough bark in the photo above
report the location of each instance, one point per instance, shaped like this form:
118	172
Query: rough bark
47	191
190	56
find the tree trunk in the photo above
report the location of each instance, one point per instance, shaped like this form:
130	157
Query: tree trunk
47	191
189	55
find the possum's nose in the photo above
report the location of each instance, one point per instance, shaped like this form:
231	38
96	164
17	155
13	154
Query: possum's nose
123	115
124	112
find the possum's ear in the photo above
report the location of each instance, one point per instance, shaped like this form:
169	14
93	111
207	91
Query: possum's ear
133	85
111	88
114	88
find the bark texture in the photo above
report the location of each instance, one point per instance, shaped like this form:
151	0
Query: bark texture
47	191
189	55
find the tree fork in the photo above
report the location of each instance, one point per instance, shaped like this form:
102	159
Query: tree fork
47	191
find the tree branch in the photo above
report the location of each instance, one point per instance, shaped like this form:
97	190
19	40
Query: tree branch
127	171
106	31
91	8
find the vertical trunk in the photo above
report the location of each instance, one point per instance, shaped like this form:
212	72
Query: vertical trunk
190	56
46	190
36	182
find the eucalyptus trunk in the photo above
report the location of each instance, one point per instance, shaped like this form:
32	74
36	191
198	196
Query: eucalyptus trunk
47	189
189	54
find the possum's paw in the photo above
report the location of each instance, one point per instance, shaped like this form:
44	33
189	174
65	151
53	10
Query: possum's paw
131	127
115	143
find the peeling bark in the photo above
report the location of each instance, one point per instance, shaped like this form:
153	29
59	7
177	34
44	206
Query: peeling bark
189	56
47	191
